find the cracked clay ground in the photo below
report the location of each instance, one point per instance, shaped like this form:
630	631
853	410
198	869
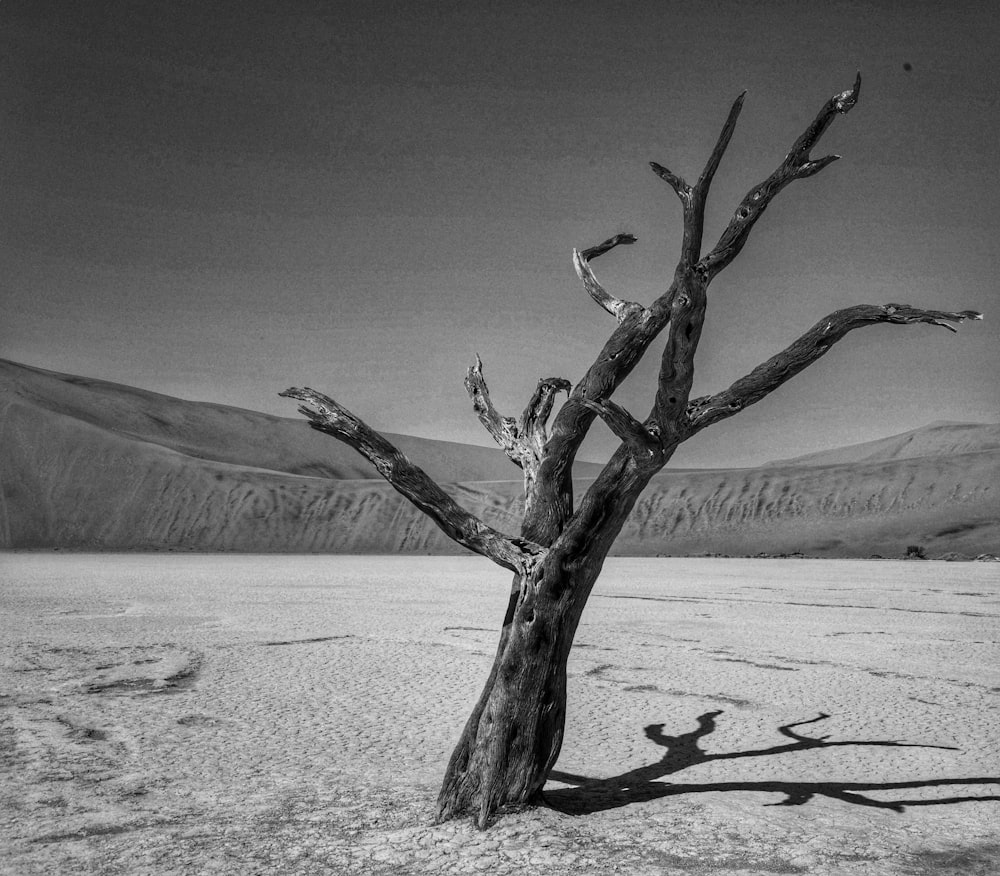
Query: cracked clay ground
265	714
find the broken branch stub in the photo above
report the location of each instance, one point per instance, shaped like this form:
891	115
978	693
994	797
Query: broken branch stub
617	307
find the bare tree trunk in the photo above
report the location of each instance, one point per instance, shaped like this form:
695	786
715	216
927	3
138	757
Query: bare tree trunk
514	735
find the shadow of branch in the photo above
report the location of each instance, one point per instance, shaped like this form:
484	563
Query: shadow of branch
640	785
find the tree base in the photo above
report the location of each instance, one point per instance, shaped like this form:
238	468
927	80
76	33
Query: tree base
513	736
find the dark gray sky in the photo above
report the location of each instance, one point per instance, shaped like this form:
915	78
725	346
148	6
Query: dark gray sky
217	200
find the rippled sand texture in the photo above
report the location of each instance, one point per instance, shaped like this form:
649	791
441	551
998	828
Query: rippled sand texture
249	714
91	465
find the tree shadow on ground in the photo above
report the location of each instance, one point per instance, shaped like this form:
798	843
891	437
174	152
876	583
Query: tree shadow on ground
640	785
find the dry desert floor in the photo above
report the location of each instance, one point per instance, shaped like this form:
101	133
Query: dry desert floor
273	714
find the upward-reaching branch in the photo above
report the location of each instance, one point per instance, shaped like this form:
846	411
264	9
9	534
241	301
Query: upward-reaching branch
768	376
683	306
725	135
531	426
797	165
524	439
693	198
681	311
620	354
415	484
503	429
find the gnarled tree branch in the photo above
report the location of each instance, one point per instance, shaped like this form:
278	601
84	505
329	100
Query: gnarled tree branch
620	354
522	440
326	415
502	429
682	306
531	426
797	165
593	252
725	135
694	211
618	308
693	198
768	376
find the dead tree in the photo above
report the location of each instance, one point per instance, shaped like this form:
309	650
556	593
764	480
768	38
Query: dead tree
513	736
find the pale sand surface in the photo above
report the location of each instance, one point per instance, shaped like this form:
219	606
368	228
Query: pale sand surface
279	714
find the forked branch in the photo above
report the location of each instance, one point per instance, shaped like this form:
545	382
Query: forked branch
684	302
326	415
522	440
768	376
681	306
797	165
502	429
693	198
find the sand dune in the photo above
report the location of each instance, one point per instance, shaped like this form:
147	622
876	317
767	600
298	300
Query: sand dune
89	465
232	435
946	503
936	439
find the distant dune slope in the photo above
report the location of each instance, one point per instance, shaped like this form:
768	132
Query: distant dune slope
937	439
227	434
948	503
86	464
